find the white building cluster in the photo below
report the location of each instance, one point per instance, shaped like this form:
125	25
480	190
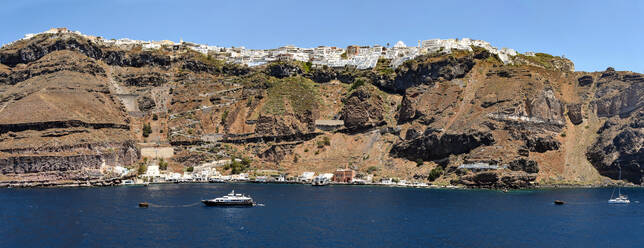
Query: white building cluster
362	57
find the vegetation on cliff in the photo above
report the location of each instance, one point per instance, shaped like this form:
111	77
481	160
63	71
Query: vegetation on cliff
69	105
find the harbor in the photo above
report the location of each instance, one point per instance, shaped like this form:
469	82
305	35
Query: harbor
339	177
335	216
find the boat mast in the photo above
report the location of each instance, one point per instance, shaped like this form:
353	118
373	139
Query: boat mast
619	186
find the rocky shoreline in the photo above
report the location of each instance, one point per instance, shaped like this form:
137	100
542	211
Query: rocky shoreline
115	182
56	184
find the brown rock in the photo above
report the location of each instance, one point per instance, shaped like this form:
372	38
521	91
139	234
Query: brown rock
362	109
574	114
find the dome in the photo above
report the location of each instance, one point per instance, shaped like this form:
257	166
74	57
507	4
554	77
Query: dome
400	44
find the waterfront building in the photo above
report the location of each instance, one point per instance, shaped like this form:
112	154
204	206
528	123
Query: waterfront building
306	177
120	170
152	171
152	174
280	178
328	176
261	179
369	178
171	176
344	175
239	177
386	181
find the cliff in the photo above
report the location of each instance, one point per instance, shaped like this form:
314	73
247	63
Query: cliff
73	105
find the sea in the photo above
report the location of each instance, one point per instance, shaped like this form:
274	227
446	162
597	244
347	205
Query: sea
305	216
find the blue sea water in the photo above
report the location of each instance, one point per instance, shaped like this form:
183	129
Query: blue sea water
306	216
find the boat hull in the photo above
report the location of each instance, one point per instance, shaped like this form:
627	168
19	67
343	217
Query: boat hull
227	204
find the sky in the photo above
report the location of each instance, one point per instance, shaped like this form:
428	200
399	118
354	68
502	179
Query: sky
593	34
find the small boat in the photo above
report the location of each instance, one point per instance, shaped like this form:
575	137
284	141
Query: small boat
320	181
559	202
231	199
143	205
216	180
620	199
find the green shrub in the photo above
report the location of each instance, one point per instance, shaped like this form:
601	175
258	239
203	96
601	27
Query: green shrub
163	165
372	169
224	116
142	168
246	161
435	173
237	167
190	169
543	59
357	83
383	67
299	92
320	144
419	162
147	130
155	117
306	66
250	101
324	142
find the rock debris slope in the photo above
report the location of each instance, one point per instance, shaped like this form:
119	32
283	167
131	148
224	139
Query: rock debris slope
74	106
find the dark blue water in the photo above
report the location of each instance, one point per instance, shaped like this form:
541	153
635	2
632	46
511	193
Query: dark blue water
305	216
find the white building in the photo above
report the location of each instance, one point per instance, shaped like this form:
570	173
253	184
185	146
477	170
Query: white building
327	175
120	170
239	177
306	176
366	57
386	181
171	176
152	171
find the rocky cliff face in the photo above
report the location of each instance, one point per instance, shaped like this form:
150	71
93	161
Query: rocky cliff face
433	145
619	97
70	107
58	114
427	70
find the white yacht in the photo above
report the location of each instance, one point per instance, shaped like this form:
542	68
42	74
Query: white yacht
231	199
622	199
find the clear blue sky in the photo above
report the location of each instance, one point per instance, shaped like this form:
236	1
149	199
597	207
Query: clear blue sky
594	34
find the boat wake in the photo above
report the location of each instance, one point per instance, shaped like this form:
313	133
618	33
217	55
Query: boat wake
173	206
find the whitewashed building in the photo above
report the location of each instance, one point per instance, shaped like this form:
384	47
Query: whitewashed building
306	176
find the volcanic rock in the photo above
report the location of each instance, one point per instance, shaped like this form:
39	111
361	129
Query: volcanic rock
363	108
